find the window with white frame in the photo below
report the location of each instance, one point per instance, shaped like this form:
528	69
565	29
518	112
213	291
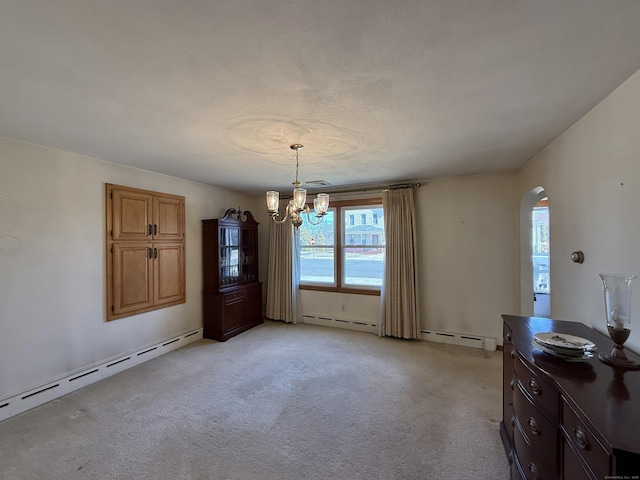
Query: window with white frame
345	251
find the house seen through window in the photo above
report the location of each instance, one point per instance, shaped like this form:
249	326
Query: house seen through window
346	250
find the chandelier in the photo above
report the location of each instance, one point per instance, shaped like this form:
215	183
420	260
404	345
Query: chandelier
298	204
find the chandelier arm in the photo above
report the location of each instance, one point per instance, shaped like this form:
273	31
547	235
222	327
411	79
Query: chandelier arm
275	216
319	217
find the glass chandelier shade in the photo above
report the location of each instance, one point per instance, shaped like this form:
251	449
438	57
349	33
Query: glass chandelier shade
273	201
299	197
298	203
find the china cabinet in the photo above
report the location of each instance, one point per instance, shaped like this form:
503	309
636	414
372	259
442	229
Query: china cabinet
232	295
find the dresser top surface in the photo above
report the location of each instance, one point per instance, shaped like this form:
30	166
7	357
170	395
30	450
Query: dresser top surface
607	396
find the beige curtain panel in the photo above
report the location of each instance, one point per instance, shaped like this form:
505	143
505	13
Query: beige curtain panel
401	309
281	298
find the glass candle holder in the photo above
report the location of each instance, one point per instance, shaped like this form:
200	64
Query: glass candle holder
617	304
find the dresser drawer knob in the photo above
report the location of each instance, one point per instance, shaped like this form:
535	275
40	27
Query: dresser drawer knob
512	384
534	426
535	388
581	438
513	421
533	469
508	337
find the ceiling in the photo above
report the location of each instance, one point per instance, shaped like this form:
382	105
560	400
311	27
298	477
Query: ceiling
377	90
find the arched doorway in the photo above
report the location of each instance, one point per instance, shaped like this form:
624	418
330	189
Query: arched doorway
535	287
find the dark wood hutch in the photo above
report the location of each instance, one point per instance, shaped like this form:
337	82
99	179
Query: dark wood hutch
232	294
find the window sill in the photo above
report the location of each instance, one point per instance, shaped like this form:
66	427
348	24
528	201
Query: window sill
353	290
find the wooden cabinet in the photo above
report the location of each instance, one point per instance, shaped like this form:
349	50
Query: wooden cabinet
145	251
567	420
232	296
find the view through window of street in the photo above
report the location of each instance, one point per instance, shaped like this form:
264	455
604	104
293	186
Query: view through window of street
347	253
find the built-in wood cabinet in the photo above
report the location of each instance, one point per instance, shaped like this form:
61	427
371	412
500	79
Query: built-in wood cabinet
567	420
232	294
145	250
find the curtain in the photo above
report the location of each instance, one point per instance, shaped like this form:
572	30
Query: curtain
399	316
283	275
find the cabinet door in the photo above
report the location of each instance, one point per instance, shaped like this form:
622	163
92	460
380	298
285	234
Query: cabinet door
132	277
249	255
229	256
168	218
131	215
235	310
168	274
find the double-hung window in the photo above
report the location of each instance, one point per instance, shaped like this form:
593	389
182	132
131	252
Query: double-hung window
345	251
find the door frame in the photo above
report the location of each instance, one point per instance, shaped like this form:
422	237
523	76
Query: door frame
527	203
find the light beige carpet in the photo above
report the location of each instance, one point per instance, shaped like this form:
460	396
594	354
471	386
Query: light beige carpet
279	402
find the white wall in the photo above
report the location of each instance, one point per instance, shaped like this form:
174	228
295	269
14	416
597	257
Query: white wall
591	175
468	259
52	263
468	230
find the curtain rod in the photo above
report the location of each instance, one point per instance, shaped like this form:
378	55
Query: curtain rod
403	185
368	188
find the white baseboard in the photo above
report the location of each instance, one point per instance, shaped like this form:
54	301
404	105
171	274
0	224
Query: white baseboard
475	341
47	392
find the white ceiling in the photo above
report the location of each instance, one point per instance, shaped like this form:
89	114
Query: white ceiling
377	90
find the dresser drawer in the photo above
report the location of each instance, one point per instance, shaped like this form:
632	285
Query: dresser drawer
584	443
543	394
541	436
532	466
573	467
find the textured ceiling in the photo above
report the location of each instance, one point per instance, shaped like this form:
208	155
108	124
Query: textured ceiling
376	90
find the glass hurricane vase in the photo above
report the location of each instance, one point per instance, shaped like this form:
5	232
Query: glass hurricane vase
617	304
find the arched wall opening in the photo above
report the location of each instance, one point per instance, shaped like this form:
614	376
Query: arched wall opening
528	202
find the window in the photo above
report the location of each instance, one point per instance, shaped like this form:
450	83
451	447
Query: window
339	255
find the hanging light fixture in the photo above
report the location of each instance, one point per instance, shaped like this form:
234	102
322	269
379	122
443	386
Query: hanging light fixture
298	204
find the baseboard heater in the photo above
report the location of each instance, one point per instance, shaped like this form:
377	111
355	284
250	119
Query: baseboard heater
35	397
351	324
485	343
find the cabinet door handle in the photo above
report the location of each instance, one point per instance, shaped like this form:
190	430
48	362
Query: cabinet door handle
155	253
533	425
512	384
150	252
155	229
150	230
581	438
535	388
508	337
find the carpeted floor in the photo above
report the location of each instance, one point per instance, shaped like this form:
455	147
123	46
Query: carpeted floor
279	402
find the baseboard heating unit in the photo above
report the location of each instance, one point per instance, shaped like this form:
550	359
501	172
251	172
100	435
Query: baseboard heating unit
34	397
485	343
351	324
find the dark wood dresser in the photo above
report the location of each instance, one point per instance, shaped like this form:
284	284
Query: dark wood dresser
567	420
